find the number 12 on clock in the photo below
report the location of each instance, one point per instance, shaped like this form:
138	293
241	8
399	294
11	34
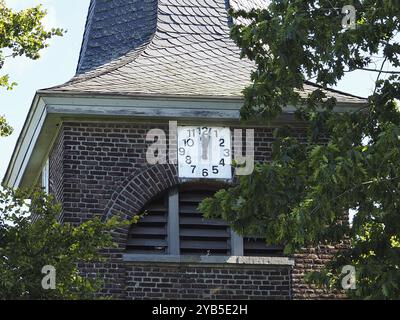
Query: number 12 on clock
204	152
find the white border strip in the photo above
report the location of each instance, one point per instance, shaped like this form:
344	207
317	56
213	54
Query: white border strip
273	261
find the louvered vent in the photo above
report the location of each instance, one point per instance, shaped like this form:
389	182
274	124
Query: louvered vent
258	247
199	236
150	234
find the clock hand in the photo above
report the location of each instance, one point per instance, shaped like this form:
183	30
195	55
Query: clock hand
205	140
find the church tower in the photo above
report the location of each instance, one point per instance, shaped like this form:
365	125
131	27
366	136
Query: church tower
160	75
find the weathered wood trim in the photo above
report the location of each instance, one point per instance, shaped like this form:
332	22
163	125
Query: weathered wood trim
173	222
236	244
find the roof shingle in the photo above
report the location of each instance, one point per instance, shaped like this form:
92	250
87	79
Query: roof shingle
180	47
114	28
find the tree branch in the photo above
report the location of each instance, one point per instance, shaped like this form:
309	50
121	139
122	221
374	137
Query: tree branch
380	71
354	188
379	74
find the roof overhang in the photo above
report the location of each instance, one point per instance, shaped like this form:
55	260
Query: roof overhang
49	110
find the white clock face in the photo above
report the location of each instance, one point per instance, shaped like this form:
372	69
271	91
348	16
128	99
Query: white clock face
204	152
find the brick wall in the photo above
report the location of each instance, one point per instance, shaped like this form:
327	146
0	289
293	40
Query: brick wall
99	169
207	282
97	158
310	260
56	171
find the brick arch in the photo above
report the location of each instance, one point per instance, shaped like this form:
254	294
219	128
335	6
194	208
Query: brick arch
140	187
135	191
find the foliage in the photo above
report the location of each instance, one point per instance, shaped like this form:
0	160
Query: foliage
5	128
31	237
350	159
21	34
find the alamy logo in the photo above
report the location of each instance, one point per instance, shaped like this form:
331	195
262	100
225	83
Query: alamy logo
349	20
349	280
49	280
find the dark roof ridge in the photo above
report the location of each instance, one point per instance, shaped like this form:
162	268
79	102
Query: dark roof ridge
85	33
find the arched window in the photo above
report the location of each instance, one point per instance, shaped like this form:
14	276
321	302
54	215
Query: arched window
172	225
150	234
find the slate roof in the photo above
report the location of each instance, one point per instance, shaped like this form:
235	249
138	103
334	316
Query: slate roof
164	48
113	28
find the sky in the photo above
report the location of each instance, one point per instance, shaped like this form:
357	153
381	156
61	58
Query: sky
58	64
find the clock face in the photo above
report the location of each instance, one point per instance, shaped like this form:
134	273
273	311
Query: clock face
204	152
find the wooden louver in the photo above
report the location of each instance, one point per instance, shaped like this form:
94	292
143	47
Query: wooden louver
200	236
150	234
195	234
258	247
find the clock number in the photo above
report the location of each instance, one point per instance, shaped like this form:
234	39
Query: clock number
227	153
193	168
188	142
204	129
188	159
205	173
222	162
182	151
192	131
222	142
215	169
